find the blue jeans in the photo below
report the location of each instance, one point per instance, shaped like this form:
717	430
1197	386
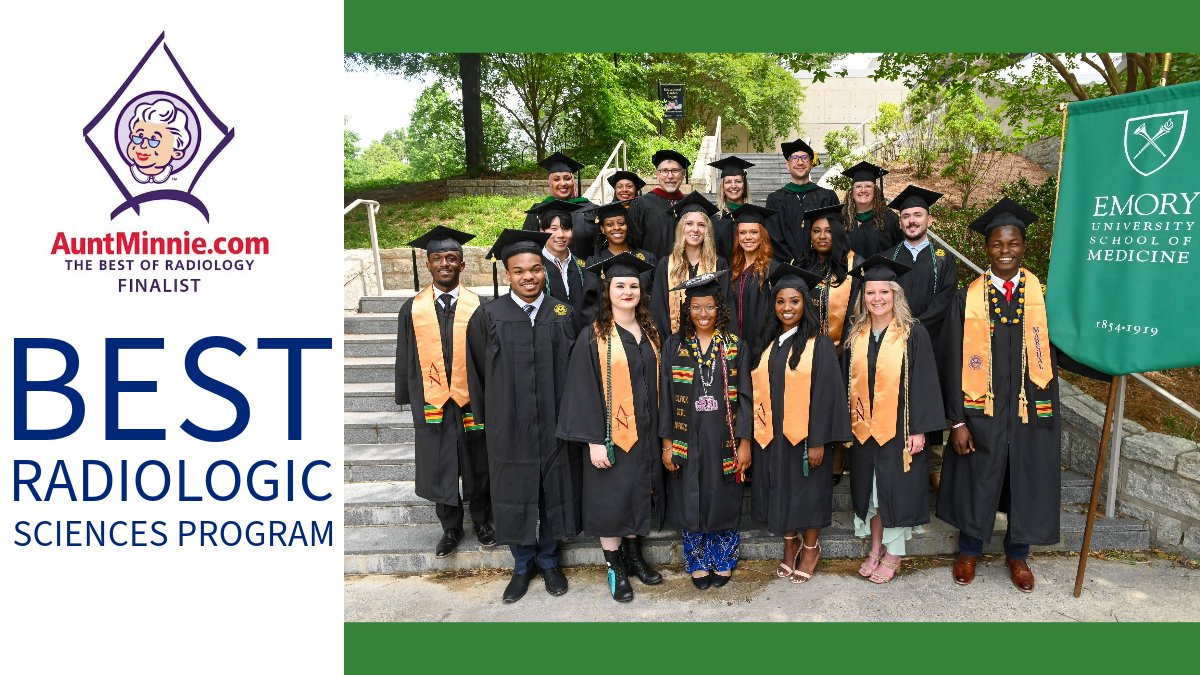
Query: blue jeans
545	551
973	546
717	551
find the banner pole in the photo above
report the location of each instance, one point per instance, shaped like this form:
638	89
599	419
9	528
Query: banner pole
1101	456
1114	469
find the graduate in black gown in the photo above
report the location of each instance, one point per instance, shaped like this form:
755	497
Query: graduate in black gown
1002	399
796	197
520	343
650	214
894	399
752	262
791	406
611	407
615	237
696	420
695	253
929	287
437	379
872	226
564	186
567	278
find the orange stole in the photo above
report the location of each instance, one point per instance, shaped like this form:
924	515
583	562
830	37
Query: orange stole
877	418
797	388
620	410
429	348
839	302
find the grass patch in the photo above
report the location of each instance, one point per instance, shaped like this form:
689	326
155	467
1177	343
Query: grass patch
398	224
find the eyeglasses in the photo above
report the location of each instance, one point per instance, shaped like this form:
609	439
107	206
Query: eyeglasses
799	157
670	172
139	140
707	309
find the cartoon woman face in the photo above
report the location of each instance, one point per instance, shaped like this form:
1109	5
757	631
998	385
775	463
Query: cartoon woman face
152	147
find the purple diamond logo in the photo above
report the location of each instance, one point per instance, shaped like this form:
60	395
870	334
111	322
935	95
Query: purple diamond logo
163	134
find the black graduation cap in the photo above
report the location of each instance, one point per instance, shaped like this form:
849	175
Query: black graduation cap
790	276
664	155
1005	212
560	163
880	268
702	285
612	210
829	212
694	201
441	239
511	242
547	211
800	145
914	196
752	213
619	176
731	166
621	265
865	171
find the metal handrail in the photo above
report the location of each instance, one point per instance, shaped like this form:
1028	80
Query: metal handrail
712	173
1168	396
372	209
598	184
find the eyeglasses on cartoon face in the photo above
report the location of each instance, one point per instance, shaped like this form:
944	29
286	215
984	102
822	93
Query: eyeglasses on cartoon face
140	140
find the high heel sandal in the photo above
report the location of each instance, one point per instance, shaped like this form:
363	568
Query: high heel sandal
783	571
875	578
805	576
867	569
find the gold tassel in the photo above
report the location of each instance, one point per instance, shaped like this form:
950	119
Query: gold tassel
989	407
907	453
907	457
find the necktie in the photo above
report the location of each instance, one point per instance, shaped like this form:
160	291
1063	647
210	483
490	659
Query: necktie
446	300
529	310
1008	289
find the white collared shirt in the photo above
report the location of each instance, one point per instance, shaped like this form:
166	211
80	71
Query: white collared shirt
537	304
563	267
787	335
160	177
438	293
999	283
916	250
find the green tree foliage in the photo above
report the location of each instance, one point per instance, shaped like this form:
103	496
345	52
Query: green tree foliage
385	158
886	127
353	168
435	147
840	144
972	140
921	114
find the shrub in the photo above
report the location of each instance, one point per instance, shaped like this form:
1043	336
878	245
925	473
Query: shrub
841	146
971	137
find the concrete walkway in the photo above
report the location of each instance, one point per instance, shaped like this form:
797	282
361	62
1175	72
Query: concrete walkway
1159	590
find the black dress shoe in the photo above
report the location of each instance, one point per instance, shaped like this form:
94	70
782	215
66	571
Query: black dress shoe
635	564
518	585
837	478
702	583
486	535
556	581
719	580
618	578
448	543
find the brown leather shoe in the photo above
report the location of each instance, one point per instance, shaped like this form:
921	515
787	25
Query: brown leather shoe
964	569
1022	577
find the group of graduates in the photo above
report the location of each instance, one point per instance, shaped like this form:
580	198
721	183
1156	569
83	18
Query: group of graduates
656	353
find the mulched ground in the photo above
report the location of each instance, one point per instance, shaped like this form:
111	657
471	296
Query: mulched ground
1006	169
1149	409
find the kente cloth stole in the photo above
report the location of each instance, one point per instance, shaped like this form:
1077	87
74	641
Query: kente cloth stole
837	300
977	343
797	388
676	298
438	389
876	418
620	418
685	369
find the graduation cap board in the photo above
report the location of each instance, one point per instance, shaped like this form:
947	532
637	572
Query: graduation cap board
438	240
510	243
560	163
731	166
630	176
1005	212
612	210
913	197
694	201
702	285
623	264
752	213
790	276
880	268
546	212
827	212
866	172
669	155
799	145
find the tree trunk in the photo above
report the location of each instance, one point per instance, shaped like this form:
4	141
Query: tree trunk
469	67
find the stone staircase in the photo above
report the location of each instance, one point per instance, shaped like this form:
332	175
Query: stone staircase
389	529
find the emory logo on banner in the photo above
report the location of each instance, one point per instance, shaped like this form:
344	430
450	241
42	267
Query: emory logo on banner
157	134
1123	239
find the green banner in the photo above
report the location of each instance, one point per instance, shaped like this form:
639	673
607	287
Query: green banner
1125	257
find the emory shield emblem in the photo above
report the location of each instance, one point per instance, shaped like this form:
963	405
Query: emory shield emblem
1152	140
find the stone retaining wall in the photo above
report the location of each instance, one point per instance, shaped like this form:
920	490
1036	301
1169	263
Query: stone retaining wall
1044	153
358	277
517	188
1159	479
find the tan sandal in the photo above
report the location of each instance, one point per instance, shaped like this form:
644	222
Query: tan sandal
783	571
805	576
894	567
866	569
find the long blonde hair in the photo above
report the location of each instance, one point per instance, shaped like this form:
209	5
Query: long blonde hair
862	316
722	202
708	250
